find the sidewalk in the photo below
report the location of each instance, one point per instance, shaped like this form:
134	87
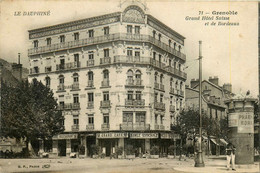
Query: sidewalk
214	164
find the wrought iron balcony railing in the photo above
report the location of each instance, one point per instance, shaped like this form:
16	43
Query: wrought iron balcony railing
75	127
105	104
135	103
69	106
90	127
105	126
104	39
159	127
90	62
67	66
105	83
75	86
159	105
135	126
90	105
61	87
90	83
106	60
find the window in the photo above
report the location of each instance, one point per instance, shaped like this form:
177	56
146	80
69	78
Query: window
90	118
76	60
130	95
106	53
177	105
179	48
138	95
61	104
48	41
155	97
160	58
210	113
75	98
140	118
170	42
171	81
106	30
181	84
180	103
48	81
170	62
159	37
130	77
76	36
155	77
91	55
216	113
91	33
176	85
137	29
106	74
90	76
62	38
174	45
128	117
171	100
90	97
62	63
36	69
174	65
161	78
61	79
156	119
106	118
129	52
137	53
138	77
105	96
154	55
35	43
75	119
75	78
129	29
180	67
161	98
154	33
161	119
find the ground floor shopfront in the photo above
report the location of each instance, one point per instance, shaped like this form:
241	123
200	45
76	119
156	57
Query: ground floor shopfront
65	144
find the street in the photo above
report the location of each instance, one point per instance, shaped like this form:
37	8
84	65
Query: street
213	164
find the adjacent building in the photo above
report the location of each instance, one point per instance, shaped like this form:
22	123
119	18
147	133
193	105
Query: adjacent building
118	79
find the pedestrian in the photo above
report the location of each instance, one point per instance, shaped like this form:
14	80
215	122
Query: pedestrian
230	152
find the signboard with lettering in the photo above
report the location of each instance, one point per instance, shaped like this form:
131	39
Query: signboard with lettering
233	120
245	122
65	136
166	136
143	135
112	135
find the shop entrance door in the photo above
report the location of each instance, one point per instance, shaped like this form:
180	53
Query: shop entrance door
91	140
61	147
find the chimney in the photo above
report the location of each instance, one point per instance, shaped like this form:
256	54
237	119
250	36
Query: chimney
194	82
214	80
228	87
17	69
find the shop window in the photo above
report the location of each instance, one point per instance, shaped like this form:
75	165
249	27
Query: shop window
106	118
91	33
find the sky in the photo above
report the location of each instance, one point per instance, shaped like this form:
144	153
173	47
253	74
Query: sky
229	52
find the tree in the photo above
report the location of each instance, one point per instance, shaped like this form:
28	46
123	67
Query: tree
29	112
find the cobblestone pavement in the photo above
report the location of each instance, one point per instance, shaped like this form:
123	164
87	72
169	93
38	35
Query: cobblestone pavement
162	165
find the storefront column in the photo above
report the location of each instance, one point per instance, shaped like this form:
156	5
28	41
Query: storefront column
147	146
68	147
121	143
55	147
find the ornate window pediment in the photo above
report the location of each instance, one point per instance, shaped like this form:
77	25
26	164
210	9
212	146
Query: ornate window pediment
133	14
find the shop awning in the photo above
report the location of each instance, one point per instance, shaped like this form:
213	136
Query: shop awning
223	142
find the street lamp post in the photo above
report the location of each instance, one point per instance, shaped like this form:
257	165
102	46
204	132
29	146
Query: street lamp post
199	161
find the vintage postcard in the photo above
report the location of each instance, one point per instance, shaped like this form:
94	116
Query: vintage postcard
129	86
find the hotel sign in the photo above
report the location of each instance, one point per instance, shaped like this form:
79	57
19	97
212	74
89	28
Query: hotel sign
112	135
65	136
143	135
169	136
233	120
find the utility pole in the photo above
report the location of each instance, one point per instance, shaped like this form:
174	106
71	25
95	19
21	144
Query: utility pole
199	161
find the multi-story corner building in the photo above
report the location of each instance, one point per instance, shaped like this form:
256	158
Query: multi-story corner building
118	78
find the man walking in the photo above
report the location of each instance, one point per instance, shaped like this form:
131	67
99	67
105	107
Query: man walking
230	152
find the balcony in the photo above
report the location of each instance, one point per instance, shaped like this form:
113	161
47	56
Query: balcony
61	87
90	105
171	90
181	93
90	62
172	108
106	38
126	126
156	86
71	106
47	69
161	87
75	127
75	86
68	66
90	83
105	126
176	72
134	103
141	126
105	83
105	104
159	105
134	83
159	127
90	127
106	60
